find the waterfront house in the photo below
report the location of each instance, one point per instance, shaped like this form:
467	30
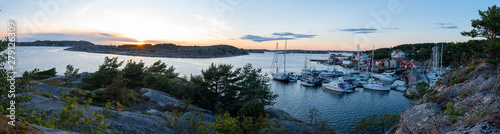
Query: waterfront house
383	62
397	53
396	62
408	64
346	62
362	56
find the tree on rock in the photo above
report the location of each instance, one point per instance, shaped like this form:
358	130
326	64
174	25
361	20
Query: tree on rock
488	26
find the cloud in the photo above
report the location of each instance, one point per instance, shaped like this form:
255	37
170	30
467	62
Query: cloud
392	28
92	37
360	30
277	36
447	25
105	34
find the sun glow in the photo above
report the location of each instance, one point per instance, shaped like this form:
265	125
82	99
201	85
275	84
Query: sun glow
145	27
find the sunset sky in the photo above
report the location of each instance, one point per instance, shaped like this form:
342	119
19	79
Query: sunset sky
250	24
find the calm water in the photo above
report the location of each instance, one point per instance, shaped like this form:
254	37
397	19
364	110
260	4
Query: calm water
340	110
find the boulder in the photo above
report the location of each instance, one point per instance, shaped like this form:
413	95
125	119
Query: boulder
420	118
280	114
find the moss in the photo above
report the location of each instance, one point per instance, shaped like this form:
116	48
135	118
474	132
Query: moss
470	69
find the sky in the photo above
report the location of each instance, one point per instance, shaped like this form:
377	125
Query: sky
249	24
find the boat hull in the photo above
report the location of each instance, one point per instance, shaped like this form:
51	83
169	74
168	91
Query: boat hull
376	87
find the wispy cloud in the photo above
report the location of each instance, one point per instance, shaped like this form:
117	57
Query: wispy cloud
92	37
277	36
360	30
447	25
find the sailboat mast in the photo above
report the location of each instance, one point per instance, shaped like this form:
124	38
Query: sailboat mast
284	60
371	62
277	63
441	63
359	60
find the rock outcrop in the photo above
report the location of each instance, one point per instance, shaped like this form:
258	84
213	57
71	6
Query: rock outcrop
136	121
280	114
475	95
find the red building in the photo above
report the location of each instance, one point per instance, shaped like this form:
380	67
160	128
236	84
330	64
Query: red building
407	64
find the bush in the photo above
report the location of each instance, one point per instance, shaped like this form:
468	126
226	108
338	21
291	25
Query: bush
134	72
454	113
104	76
493	53
117	92
71	117
468	70
252	109
370	124
70	74
35	74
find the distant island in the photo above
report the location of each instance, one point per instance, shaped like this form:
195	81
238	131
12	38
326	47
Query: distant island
157	50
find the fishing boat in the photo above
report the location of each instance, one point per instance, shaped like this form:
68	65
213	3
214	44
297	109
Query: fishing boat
375	86
339	86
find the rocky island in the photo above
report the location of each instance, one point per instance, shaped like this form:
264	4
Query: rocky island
149	50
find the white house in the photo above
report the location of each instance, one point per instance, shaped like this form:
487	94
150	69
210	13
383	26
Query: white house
346	62
397	53
363	57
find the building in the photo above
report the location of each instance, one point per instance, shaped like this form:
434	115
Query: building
362	56
382	62
408	64
395	62
397	53
346	62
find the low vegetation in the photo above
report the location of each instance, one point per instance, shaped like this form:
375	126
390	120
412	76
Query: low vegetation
372	124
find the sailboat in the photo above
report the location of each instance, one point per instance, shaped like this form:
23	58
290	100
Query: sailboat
375	86
281	76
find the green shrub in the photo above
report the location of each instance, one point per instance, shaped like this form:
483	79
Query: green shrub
252	109
70	74
71	117
493	53
134	72
36	75
371	124
454	113
118	92
470	69
104	76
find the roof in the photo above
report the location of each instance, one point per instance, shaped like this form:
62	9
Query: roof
400	58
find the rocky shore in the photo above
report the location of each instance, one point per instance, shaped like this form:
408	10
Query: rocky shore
165	50
148	116
158	50
466	101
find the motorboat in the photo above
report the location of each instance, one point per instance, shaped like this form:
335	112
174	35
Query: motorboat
339	86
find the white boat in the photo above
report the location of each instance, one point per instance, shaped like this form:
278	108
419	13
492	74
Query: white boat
339	86
398	83
277	74
375	86
308	82
384	77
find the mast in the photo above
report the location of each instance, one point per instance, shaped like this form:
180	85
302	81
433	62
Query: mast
284	59
359	60
277	64
441	63
371	62
305	63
